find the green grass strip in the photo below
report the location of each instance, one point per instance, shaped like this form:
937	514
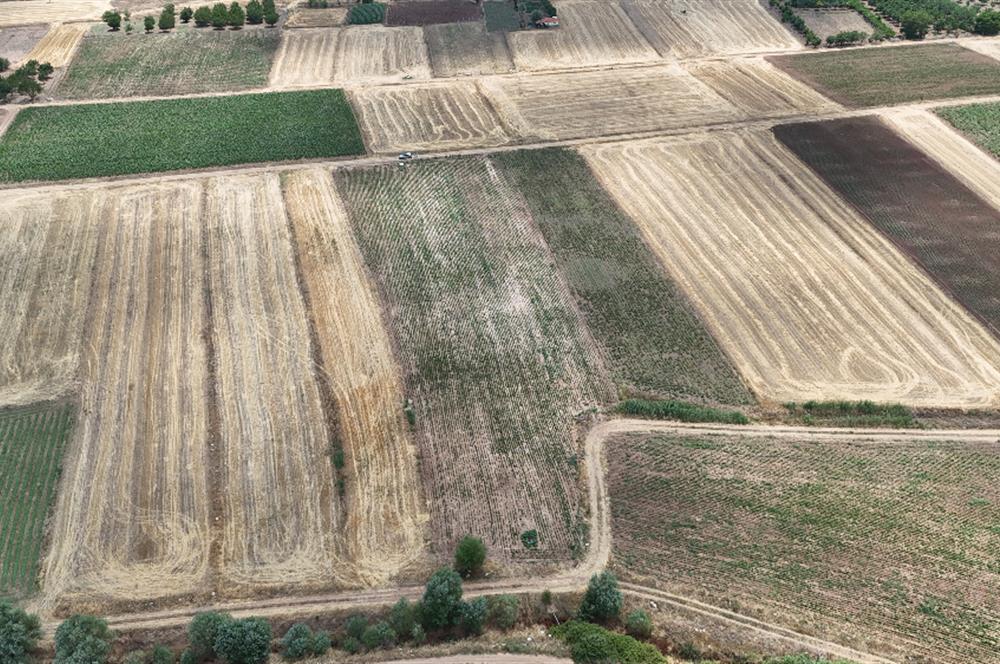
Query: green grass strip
981	122
679	410
95	140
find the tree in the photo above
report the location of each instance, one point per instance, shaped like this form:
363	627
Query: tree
988	23
504	610
470	556
202	632
473	616
29	87
638	624
300	641
529	538
167	20
255	12
236	16
83	639
113	19
356	625
45	71
269	6
401	618
379	635
246	641
149	23
442	603
161	655
19	631
203	16
186	15
4	64
593	649
270	17
603	600
915	24
220	16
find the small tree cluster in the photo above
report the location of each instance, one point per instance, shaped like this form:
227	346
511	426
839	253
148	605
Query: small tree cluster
916	24
847	38
25	80
168	18
83	639
219	16
213	635
470	556
988	23
300	642
113	19
603	600
19	633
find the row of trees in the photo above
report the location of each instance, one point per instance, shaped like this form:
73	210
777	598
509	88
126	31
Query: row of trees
25	80
219	16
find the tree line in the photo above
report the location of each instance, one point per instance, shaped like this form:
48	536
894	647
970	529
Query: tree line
219	16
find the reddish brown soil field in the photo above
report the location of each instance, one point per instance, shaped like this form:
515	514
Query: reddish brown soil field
428	13
928	213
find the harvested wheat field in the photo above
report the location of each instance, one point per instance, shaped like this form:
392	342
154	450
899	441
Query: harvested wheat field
373	53
591	33
436	116
467	49
606	103
385	523
59	44
685	29
495	359
21	12
15	43
759	89
976	169
305	57
304	17
808	300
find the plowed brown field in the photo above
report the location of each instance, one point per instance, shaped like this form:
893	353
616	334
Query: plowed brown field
685	29
374	53
18	12
808	300
437	116
591	33
605	103
305	57
59	44
760	89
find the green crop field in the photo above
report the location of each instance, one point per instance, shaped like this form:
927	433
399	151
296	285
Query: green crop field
648	331
980	122
32	441
884	76
190	61
887	546
93	140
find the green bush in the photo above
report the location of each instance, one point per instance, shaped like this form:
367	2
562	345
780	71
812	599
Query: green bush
503	611
83	640
167	20
202	633
113	19
679	410
149	23
356	625
220	16
470	556
352	645
591	643
846	38
638	624
300	641
255	12
4	64
161	655
270	17
246	641
203	16
529	539
442	602
603	599
916	24
473	616
186	14
402	618
364	14
379	635
19	633
988	23
236	17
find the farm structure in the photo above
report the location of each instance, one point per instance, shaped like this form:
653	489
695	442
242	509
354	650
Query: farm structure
924	210
807	299
881	544
24	12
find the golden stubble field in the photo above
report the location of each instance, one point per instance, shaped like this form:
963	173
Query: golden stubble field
21	12
59	44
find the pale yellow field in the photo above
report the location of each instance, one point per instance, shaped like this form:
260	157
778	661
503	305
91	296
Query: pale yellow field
305	57
373	53
59	44
760	89
685	29
386	520
303	17
804	296
436	116
590	33
606	103
17	12
990	47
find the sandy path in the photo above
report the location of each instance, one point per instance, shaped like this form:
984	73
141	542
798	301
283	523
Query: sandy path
990	47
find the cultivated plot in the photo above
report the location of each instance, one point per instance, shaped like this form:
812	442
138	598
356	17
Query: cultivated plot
304	17
826	22
306	57
883	545
467	49
806	298
58	45
427	12
605	103
15	43
435	116
591	33
373	53
495	359
980	122
926	211
683	29
24	12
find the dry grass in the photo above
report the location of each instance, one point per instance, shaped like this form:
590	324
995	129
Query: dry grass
435	116
59	44
305	57
303	17
466	49
808	300
372	53
20	12
591	33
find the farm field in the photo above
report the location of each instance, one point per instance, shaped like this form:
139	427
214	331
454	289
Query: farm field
494	357
427	12
681	29
304	17
883	545
433	116
58	45
15	43
990	47
182	62
926	211
466	49
935	137
305	57
81	141
583	104
980	122
652	340
842	316
884	76
32	441
24	12
375	54
591	33
826	22
759	89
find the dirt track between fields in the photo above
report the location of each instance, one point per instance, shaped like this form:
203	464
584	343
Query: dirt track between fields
598	554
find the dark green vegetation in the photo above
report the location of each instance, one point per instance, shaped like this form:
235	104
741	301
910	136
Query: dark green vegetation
980	122
852	414
926	211
26	80
892	542
602	601
789	16
882	30
365	14
592	644
19	633
93	140
884	76
83	639
653	341
470	556
32	441
679	410
941	14
114	65
500	16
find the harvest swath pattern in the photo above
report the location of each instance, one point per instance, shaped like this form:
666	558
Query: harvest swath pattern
373	54
806	298
882	545
58	45
32	441
759	89
306	57
494	356
928	213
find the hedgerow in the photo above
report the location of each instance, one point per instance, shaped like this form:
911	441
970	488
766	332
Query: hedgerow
679	410
592	643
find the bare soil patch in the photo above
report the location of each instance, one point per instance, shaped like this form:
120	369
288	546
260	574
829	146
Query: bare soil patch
15	43
427	12
826	22
373	53
467	49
